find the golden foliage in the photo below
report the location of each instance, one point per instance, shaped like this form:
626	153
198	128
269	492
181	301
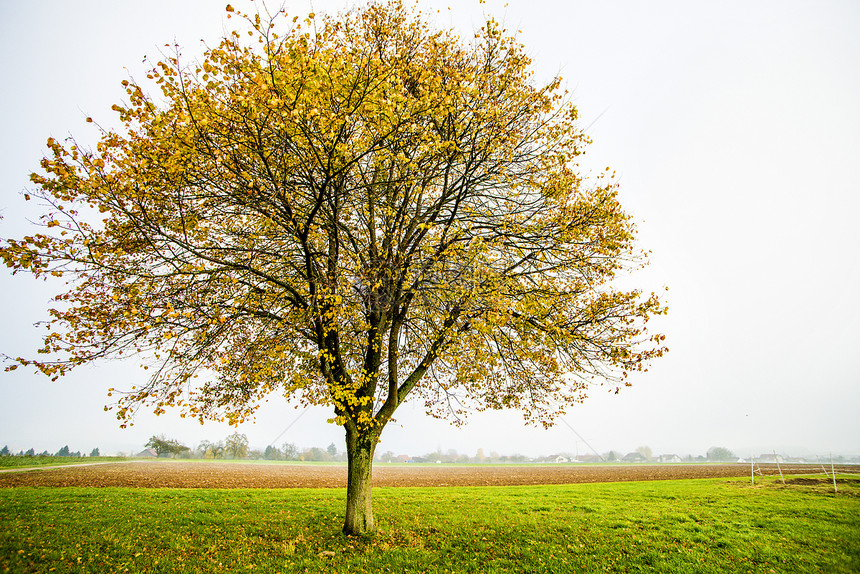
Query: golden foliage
348	211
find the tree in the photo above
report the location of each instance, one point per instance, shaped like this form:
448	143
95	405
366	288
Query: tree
236	445
361	210
163	445
272	453
645	451
331	450
160	444
291	452
315	454
175	448
30	452
212	450
4	451
64	451
720	454
95	452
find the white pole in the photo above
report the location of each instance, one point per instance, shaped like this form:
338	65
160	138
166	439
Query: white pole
822	466
833	471
776	458
752	470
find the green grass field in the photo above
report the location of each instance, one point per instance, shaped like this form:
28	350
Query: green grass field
720	525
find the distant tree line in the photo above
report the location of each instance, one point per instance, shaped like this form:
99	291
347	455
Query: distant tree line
642	454
63	452
236	447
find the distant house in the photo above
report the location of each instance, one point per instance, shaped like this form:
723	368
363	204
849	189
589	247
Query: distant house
633	457
561	459
402	458
669	458
147	453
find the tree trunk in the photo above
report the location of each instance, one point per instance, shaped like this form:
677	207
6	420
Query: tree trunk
359	509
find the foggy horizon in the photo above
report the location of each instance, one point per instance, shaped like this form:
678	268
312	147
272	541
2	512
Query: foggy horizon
735	133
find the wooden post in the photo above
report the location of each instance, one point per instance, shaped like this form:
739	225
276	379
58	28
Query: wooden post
776	458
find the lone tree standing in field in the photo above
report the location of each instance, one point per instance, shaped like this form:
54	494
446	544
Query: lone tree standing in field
236	445
350	212
163	445
721	454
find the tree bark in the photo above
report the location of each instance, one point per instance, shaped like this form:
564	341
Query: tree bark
359	509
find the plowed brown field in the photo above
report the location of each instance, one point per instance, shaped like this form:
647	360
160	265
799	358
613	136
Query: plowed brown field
177	474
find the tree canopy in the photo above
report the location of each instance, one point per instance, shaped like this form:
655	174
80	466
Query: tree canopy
721	454
163	445
347	211
236	445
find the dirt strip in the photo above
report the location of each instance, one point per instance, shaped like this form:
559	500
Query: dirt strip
177	474
73	465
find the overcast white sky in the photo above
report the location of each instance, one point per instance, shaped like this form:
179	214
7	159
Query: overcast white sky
734	128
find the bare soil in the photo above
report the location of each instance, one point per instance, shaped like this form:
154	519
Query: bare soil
204	474
825	481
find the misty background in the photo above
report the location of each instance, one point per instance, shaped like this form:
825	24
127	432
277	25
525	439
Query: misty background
733	128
